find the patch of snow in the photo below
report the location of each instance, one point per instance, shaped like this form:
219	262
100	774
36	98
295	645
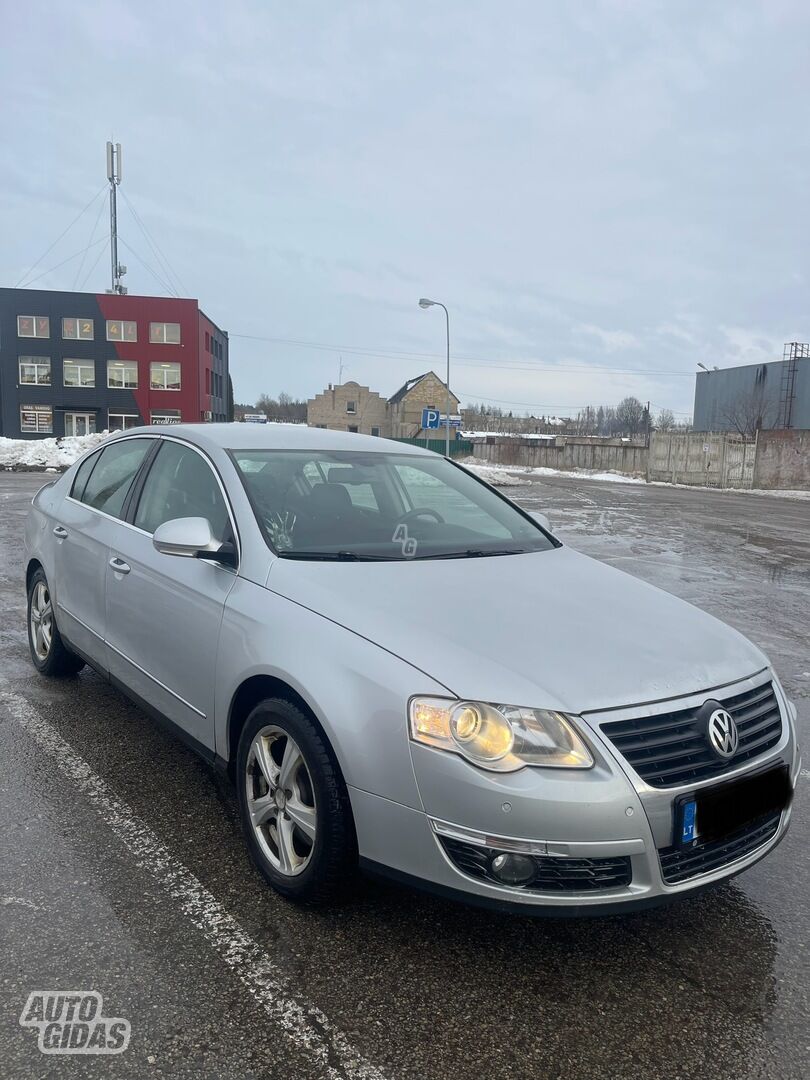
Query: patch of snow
505	435
495	474
517	476
588	474
779	493
48	454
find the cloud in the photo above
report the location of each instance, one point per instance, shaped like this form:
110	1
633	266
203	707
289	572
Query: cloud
610	340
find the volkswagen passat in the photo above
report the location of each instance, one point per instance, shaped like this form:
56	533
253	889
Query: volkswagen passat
401	668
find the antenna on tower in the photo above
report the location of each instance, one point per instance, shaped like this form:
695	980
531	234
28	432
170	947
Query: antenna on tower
114	176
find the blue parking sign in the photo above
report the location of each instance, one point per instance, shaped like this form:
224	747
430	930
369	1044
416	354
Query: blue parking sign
430	418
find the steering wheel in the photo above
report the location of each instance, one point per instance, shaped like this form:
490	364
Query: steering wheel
418	512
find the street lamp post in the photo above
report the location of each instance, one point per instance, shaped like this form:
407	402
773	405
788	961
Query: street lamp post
423	303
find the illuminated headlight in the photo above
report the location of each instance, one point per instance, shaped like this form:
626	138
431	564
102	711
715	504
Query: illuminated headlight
499	737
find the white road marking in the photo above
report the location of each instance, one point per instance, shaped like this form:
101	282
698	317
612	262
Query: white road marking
304	1023
805	773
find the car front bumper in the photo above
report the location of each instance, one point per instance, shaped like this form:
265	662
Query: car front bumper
602	836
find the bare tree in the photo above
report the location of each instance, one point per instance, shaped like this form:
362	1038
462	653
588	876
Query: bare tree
286	409
749	411
665	421
631	415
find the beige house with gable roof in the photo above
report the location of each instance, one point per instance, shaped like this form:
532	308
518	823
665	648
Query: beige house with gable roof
352	407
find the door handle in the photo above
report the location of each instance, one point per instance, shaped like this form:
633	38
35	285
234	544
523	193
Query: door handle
59	532
119	566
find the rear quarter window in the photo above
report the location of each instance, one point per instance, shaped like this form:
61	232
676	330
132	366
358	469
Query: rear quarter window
83	475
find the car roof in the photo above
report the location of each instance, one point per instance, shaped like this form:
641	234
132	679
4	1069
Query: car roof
241	436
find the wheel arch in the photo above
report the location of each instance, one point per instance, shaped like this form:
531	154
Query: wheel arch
248	694
34	564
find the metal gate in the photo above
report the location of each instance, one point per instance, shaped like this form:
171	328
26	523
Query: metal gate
738	462
700	458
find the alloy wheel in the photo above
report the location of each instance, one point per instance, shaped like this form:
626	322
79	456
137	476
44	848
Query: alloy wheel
41	620
281	800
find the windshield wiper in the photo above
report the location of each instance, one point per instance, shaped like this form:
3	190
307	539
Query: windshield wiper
472	553
336	556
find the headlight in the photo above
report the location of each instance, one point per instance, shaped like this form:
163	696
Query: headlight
499	737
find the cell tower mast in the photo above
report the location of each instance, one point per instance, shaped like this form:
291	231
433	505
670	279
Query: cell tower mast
114	176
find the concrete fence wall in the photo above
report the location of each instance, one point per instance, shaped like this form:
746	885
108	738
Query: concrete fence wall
565	452
783	460
776	459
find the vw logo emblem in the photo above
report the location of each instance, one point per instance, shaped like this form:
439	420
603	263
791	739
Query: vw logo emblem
722	731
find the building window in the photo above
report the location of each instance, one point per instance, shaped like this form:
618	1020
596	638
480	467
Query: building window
351	406
352	427
166	416
35	370
77	329
164	376
122	374
208	380
121	331
164	333
207	342
78	373
33	326
37	418
121	421
375	431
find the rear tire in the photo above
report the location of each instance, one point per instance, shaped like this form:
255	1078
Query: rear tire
294	805
49	653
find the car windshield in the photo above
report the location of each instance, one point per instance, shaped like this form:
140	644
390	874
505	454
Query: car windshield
316	504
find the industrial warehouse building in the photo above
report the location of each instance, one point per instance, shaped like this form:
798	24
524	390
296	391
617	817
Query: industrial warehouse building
757	396
73	363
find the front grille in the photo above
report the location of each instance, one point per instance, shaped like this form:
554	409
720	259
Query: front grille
554	874
671	748
689	860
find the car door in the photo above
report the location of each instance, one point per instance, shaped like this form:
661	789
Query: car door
163	611
83	528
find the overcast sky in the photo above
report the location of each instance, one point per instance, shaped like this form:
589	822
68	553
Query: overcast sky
590	187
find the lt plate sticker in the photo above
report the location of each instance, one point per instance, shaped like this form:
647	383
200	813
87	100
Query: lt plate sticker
689	826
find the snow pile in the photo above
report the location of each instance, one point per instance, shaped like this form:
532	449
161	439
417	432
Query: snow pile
517	476
46	453
495	474
505	435
588	474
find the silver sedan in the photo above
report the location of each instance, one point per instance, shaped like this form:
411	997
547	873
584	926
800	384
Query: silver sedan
402	670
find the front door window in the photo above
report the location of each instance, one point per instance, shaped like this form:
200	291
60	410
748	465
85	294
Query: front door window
77	423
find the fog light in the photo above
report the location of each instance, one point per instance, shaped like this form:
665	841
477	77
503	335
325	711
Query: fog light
514	869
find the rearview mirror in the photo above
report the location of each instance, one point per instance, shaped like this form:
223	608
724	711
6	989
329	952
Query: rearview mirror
541	520
192	538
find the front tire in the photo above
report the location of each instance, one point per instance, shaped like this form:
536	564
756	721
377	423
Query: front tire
294	804
49	653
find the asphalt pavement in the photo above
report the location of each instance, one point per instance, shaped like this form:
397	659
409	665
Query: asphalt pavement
122	870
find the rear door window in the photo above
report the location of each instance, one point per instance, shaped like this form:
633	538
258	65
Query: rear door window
109	482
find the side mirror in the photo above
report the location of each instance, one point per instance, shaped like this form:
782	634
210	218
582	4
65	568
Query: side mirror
541	520
192	538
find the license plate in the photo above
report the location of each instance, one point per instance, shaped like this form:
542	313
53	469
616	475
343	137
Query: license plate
715	812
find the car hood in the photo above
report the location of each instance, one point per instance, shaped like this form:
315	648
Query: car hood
550	629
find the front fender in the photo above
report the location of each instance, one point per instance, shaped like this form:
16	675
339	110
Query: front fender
357	690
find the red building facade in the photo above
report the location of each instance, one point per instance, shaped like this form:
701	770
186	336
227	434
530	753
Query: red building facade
71	363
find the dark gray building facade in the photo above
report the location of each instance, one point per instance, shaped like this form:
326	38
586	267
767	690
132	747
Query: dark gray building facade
773	395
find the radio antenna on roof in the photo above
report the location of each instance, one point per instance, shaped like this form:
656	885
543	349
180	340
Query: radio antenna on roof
114	177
